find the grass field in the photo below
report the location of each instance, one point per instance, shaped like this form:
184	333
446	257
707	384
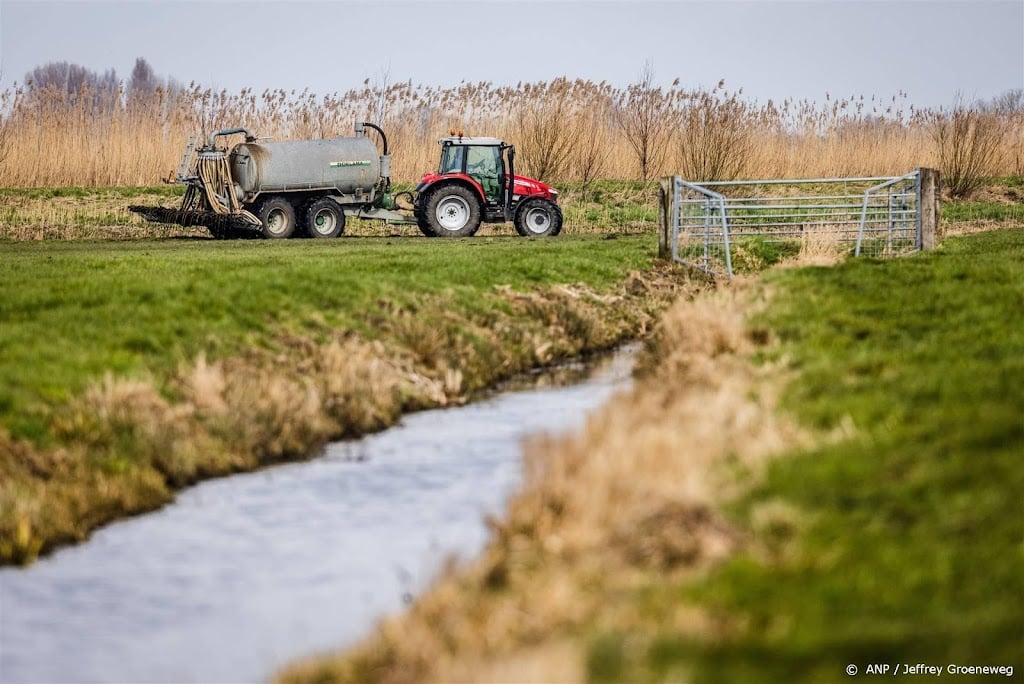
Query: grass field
107	345
75	310
911	543
102	213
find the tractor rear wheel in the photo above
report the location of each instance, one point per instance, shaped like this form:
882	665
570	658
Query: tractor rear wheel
324	218
538	217
453	211
277	218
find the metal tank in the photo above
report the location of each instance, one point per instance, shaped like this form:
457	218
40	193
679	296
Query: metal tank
341	164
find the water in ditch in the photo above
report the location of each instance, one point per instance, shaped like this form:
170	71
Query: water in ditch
244	574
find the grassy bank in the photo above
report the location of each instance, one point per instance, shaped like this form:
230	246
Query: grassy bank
133	368
911	544
695	532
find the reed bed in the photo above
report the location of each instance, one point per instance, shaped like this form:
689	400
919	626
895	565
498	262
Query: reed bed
565	130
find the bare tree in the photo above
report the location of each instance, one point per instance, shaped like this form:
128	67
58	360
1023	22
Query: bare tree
592	149
543	131
1009	107
1009	102
5	132
73	82
8	101
69	78
381	102
714	141
967	142
643	114
143	79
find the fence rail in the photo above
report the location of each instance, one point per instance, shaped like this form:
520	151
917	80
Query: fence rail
702	224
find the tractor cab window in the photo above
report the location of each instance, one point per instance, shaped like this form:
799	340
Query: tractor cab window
452	157
483	163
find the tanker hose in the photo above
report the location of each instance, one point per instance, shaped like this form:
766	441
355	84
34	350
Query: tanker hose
383	138
215	177
408	194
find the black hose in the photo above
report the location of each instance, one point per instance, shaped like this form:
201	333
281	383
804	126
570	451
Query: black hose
412	200
249	137
383	137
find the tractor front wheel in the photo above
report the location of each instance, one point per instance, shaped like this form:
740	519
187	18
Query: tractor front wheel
453	211
538	218
277	218
424	226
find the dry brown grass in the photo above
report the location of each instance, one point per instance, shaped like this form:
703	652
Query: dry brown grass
820	245
637	491
51	139
79	214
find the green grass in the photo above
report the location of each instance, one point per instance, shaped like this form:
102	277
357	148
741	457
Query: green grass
625	206
84	212
911	546
1007	181
955	212
72	311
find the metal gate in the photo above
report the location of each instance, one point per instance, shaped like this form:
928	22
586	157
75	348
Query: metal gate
876	217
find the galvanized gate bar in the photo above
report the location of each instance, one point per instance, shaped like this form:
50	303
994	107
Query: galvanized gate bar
882	219
793	181
914	175
712	202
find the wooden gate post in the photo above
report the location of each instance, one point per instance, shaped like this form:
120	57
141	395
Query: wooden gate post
929	208
665	199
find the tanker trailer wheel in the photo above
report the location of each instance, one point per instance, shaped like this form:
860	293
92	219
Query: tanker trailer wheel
453	211
538	217
277	218
324	218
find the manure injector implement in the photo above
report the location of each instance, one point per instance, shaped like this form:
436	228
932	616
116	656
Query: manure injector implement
309	187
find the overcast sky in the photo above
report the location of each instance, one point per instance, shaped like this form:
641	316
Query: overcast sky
930	50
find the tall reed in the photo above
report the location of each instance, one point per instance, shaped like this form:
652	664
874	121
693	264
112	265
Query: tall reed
564	130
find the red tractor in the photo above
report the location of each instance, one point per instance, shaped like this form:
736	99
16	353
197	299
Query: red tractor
472	185
281	189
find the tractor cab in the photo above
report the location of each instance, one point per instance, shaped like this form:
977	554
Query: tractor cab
484	161
476	182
